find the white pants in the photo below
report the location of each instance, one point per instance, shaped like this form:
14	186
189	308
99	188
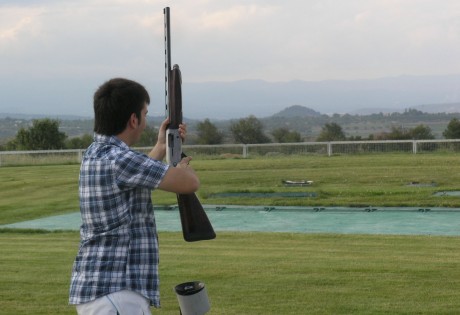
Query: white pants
123	302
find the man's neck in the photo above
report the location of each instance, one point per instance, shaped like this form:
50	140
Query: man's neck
125	137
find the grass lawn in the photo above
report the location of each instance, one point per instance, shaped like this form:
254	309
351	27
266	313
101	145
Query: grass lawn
258	273
29	192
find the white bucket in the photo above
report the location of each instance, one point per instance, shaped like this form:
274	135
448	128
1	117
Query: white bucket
193	298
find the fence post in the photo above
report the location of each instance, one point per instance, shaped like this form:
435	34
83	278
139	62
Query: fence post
414	146
329	149
245	150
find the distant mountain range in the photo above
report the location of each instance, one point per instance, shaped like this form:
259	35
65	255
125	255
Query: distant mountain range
294	111
262	99
239	99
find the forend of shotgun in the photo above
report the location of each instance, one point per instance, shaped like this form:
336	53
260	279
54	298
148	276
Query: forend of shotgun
173	139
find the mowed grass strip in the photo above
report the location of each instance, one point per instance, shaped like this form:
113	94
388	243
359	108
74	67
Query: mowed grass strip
257	273
30	192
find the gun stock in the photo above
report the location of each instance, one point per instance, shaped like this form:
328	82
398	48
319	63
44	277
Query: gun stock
195	223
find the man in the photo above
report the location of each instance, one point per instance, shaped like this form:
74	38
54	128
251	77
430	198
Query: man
116	268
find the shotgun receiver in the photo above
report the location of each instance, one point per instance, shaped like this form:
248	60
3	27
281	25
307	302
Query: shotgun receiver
195	223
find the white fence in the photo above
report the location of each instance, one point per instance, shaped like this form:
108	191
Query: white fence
12	158
326	148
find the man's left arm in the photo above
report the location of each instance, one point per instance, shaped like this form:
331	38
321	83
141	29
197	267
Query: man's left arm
158	152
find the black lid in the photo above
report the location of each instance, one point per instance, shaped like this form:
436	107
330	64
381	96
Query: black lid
189	288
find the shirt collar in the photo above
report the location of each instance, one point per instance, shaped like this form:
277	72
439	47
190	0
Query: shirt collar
110	140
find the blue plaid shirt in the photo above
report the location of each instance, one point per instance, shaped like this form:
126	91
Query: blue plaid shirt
119	245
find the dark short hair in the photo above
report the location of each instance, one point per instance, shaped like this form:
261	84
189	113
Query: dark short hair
114	103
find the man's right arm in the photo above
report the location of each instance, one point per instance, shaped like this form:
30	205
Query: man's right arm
181	179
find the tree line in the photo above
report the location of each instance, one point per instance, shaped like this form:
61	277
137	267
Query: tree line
44	134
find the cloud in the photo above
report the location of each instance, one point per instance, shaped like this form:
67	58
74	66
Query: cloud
11	32
230	39
16	22
234	16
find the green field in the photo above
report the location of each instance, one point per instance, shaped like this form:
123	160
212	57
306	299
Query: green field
257	273
28	192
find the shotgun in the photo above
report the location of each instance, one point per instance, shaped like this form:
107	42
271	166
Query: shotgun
195	223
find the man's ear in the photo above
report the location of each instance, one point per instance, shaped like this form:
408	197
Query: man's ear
133	121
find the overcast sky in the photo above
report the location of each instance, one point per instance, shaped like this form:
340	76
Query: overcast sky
89	41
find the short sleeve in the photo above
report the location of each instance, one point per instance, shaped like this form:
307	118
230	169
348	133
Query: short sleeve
134	169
